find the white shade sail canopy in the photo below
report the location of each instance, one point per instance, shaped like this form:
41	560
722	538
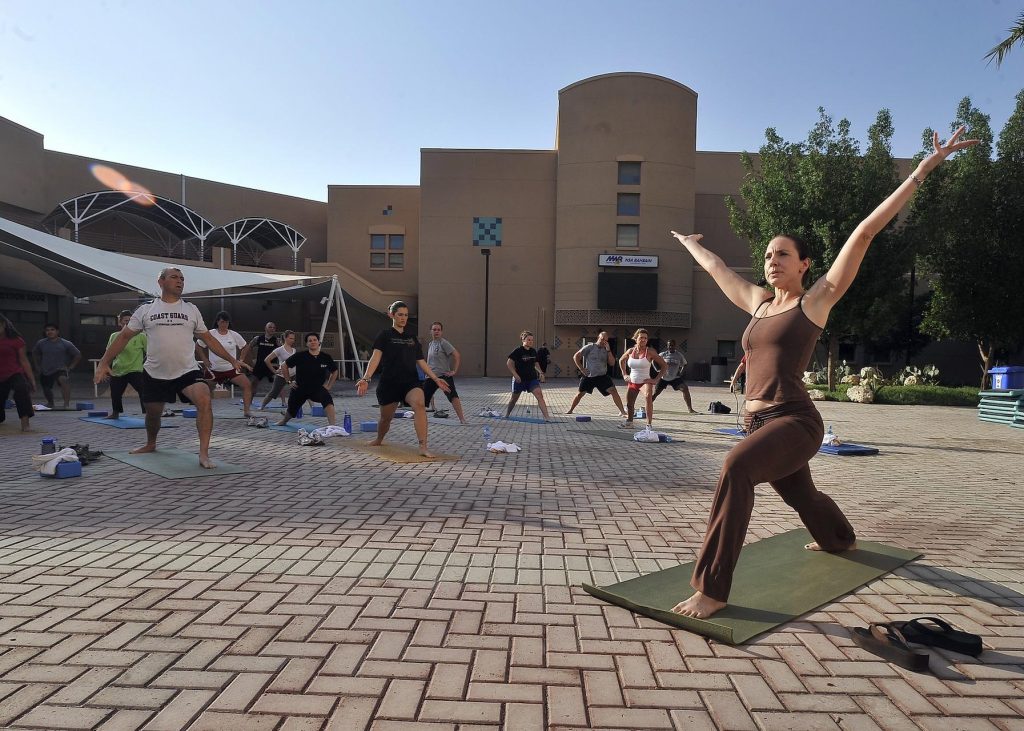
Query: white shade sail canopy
86	271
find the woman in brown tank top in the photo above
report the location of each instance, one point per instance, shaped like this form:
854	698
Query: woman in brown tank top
784	430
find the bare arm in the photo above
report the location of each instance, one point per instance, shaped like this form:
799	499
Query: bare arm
269	360
510	364
745	295
113	350
432	376
75	360
622	366
331	379
829	289
660	363
577	358
364	383
458	362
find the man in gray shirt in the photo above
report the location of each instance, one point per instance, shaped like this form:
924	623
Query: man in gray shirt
55	357
593	361
673	375
444	360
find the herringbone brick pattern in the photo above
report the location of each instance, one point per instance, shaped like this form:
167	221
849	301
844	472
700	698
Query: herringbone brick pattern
328	590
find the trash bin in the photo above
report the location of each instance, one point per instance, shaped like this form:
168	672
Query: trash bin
1007	377
719	369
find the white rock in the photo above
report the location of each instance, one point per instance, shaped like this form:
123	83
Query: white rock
860	394
910	381
852	379
816	394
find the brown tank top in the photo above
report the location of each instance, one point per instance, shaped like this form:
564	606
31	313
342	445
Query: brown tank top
778	348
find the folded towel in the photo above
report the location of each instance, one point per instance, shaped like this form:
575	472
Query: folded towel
489	412
503	448
46	464
647	435
330	431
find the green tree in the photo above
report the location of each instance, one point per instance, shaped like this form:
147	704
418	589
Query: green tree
820	189
1016	36
968	223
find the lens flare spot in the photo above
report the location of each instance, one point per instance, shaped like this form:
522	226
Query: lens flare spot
115	180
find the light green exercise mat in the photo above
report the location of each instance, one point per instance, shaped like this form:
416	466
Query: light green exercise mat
175	464
776	581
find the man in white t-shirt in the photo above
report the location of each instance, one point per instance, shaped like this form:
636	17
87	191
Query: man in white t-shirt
222	370
171	326
675	363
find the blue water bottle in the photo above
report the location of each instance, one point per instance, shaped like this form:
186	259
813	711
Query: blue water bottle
347	422
487	436
49	445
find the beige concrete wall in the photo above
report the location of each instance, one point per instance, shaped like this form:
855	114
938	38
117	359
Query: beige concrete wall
356	211
519	187
23	180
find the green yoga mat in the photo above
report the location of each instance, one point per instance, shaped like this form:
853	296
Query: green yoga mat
625	434
776	581
175	464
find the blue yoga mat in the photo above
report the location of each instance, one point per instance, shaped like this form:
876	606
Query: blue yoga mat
841	450
126	422
848	450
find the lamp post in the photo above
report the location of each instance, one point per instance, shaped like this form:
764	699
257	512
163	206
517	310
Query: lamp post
487	298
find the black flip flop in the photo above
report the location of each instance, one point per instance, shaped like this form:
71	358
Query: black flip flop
889	644
945	637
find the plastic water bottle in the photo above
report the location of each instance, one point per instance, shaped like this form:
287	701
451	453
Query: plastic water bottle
346	423
829	433
48	446
487	436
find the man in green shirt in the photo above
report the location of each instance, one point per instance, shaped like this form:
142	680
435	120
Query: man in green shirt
127	367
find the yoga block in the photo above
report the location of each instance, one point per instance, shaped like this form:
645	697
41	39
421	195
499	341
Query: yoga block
582	418
317	411
66	470
98	413
367	426
188	413
85	406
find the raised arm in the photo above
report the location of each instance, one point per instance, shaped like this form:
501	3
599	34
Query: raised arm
745	295
823	294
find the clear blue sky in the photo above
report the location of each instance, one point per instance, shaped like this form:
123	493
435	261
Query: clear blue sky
295	96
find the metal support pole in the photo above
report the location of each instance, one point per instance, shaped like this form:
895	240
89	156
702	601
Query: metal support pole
487	300
327	308
342	309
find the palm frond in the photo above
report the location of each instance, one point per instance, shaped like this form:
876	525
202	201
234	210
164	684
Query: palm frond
1016	36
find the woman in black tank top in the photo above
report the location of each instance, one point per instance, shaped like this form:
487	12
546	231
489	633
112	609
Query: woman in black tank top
784	430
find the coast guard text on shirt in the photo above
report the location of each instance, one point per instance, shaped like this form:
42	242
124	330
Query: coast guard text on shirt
160	318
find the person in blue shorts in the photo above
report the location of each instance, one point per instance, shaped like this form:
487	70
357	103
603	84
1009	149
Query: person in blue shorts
526	374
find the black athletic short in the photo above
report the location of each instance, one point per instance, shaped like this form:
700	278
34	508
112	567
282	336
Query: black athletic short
603	384
676	383
259	372
47	380
394	393
159	391
430	388
297	397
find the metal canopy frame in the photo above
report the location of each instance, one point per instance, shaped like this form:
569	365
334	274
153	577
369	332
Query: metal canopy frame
256	236
89	207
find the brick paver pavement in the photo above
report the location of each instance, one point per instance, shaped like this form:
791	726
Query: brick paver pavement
328	590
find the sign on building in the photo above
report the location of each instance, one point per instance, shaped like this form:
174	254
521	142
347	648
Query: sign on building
627	260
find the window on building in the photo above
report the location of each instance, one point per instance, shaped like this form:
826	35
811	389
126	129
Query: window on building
386	251
727	348
629	173
628	204
627	236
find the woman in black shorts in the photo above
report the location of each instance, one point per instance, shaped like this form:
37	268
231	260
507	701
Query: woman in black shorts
397	354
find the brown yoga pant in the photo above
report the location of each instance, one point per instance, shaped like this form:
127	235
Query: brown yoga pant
780	441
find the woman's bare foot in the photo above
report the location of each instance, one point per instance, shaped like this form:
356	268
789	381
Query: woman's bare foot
205	461
424	452
813	546
114	415
376	442
145	449
282	422
698	606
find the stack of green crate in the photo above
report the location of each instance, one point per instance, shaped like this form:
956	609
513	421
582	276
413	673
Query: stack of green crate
1003	406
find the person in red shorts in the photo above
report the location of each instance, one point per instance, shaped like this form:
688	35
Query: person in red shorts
222	370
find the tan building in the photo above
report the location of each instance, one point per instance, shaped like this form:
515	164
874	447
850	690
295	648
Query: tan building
576	238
